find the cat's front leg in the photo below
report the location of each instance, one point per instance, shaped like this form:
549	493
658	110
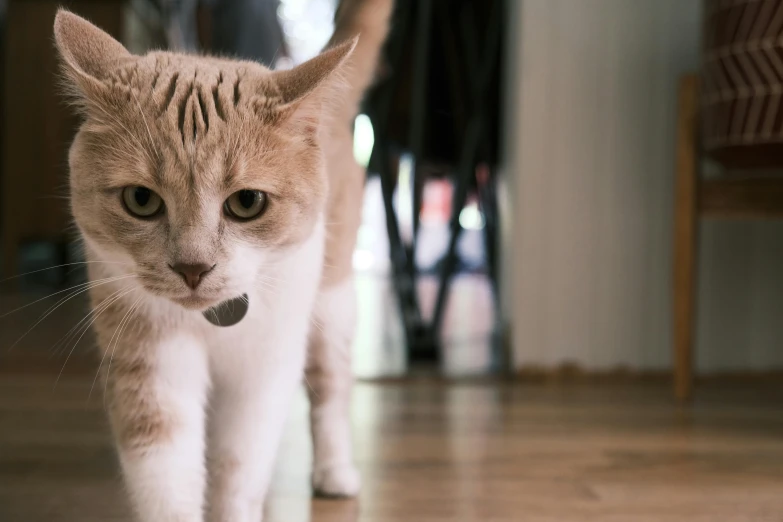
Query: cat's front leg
250	407
156	397
330	378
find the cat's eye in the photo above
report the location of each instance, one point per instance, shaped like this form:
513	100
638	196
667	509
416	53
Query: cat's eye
141	202
246	204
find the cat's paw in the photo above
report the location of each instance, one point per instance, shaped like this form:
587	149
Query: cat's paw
336	482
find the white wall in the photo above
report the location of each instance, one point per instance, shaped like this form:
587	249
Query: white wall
590	152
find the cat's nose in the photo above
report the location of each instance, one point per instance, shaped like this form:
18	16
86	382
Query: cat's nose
192	273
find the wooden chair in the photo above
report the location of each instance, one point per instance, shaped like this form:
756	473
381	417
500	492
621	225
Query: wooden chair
726	197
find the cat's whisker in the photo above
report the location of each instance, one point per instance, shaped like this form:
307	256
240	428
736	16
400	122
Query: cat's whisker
317	324
117	121
272	289
234	148
146	125
108	347
117	297
64	265
215	315
115	153
128	133
129	317
122	293
311	386
270	271
80	285
69	289
271	283
334	340
51	196
73	332
59	304
65	340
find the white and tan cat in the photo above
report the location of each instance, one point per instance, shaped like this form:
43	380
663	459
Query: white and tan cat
195	180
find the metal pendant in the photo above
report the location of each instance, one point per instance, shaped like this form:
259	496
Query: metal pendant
228	313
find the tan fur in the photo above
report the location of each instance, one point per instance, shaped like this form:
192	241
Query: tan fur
137	420
236	127
370	20
221	469
195	130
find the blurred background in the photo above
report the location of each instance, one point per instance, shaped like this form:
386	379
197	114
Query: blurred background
558	191
423	117
555	175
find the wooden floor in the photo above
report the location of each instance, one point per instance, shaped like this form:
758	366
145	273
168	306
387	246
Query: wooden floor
443	452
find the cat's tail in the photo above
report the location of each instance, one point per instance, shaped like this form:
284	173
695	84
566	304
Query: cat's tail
369	20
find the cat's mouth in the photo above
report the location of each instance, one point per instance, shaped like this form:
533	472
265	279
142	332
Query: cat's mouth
197	303
223	312
202	300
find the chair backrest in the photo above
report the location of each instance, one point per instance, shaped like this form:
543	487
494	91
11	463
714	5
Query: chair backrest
742	96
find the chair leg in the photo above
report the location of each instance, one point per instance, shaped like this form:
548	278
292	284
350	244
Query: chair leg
685	237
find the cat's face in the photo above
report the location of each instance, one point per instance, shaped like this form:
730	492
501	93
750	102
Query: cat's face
198	172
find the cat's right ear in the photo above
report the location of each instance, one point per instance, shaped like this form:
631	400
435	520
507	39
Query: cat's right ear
89	54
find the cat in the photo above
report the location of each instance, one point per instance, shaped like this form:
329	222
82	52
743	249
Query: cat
198	181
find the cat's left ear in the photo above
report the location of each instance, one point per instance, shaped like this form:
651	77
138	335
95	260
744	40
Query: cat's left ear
307	89
89	54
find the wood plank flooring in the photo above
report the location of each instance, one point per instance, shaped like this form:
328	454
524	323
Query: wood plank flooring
435	452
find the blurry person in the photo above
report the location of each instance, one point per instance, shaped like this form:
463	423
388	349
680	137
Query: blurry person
247	29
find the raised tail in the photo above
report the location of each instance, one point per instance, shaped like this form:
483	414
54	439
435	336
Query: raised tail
369	20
